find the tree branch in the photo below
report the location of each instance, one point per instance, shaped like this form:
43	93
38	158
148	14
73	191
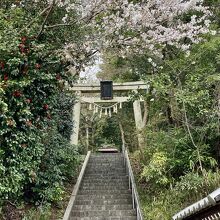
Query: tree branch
85	19
188	129
28	25
60	25
45	20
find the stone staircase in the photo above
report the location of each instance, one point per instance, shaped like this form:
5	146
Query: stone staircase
104	193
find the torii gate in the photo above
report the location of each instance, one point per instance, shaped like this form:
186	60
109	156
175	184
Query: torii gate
82	89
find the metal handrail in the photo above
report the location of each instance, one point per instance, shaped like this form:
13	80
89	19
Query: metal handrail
132	185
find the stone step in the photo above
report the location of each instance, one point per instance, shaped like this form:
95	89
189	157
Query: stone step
105	218
102	207
106	157
103	192
105	160
105	201
106	173
102	176
104	187
105	166
107	213
96	177
102	164
106	183
104	197
118	158
105	163
104	179
107	169
106	154
102	171
94	158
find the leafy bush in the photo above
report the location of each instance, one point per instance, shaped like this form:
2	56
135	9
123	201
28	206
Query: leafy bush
191	188
58	164
155	173
35	112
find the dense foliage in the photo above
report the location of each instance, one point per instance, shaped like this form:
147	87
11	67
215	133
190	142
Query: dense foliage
101	131
182	134
35	106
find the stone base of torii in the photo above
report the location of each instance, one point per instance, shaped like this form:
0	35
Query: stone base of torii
81	90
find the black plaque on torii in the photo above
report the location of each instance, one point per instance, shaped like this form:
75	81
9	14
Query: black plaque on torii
106	90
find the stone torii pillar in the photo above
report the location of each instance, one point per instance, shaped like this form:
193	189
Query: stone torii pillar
139	122
76	120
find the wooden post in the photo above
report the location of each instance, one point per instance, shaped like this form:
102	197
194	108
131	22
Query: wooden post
76	120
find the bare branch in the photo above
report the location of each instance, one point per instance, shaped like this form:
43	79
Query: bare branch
45	20
85	19
60	25
41	13
188	129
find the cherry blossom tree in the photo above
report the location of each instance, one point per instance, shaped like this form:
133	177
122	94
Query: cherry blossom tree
134	27
131	26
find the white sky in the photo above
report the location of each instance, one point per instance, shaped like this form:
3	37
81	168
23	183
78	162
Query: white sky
89	75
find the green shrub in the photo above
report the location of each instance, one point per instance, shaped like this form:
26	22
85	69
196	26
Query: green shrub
191	188
59	162
35	113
